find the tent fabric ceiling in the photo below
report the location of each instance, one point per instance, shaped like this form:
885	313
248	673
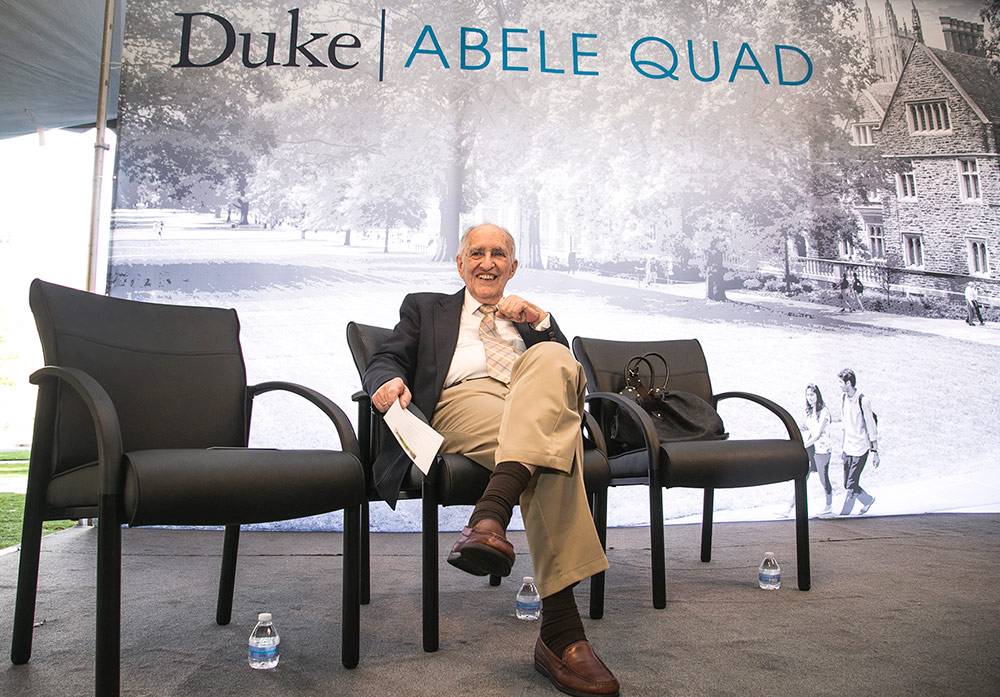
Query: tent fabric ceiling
50	58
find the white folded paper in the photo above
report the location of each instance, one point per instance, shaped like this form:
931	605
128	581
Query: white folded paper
419	441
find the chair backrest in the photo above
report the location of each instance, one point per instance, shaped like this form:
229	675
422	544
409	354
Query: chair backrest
175	374
363	340
604	362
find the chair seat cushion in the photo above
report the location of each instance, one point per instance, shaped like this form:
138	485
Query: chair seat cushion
719	463
228	486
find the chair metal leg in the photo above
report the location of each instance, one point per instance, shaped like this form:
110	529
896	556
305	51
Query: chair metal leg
429	564
366	550
706	525
802	534
350	639
599	509
27	579
107	673
494	580
656	543
227	576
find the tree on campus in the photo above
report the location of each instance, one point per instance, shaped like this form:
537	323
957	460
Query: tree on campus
888	272
795	171
189	139
742	157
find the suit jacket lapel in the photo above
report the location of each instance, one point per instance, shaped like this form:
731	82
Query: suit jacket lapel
447	317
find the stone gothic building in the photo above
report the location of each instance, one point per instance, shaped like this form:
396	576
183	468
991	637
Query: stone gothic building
938	117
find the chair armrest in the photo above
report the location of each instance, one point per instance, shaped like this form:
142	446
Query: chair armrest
361	396
638	416
793	428
348	439
596	435
106	425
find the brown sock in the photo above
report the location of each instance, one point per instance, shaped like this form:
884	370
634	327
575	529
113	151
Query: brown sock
561	624
507	482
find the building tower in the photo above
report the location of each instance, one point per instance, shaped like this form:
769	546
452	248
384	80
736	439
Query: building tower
918	32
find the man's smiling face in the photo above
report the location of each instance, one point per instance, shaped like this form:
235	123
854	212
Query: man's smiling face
486	262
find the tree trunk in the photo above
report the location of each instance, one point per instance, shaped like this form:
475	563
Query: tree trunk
347	237
244	206
450	207
788	270
715	272
530	217
385	247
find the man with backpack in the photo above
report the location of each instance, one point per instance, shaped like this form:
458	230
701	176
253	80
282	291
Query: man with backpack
860	438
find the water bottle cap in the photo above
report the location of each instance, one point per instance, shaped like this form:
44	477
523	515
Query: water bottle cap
528	579
768	554
264	617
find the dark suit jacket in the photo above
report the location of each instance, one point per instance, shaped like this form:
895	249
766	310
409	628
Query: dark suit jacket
420	350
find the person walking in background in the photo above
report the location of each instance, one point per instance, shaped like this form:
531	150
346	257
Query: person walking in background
860	439
816	439
649	273
972	306
857	288
845	288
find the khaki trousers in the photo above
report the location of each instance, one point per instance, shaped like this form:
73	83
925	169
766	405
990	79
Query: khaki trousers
535	421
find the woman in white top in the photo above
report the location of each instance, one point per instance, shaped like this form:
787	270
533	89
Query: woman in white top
815	429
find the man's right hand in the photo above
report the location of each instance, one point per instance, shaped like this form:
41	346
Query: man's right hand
389	393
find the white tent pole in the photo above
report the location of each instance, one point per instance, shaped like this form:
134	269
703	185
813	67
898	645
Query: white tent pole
100	146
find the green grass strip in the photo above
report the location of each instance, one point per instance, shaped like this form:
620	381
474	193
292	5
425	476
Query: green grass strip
11	515
13	469
14	455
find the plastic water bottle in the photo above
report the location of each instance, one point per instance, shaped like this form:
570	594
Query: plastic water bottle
529	603
262	649
769	573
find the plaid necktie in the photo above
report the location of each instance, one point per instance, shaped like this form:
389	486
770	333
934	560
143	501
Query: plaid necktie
500	355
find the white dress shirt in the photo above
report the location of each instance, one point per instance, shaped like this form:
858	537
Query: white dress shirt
469	361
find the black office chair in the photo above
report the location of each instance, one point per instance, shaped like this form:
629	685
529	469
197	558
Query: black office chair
705	464
143	417
454	480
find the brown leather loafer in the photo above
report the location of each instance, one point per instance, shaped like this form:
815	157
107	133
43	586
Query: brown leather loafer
579	672
481	552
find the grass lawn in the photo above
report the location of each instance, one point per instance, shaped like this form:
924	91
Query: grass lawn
12	505
11	513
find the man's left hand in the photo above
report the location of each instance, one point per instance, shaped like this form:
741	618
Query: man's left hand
518	309
875	460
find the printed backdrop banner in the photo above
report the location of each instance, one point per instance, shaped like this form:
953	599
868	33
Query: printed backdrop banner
707	170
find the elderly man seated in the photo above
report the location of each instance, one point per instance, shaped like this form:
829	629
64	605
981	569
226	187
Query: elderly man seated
499	383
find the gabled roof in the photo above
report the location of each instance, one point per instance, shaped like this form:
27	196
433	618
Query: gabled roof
879	94
975	80
969	75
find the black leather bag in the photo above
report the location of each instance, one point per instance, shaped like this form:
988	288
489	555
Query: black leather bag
677	415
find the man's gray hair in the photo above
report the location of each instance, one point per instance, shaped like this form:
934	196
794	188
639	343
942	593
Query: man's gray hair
463	240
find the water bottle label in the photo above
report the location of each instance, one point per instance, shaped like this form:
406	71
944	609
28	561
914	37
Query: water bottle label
768	577
528	605
262	653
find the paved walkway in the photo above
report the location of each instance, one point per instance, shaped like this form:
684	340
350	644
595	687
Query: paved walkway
13	484
988	334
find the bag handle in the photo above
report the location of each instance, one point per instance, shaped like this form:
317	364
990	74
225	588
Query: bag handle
632	379
666	370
